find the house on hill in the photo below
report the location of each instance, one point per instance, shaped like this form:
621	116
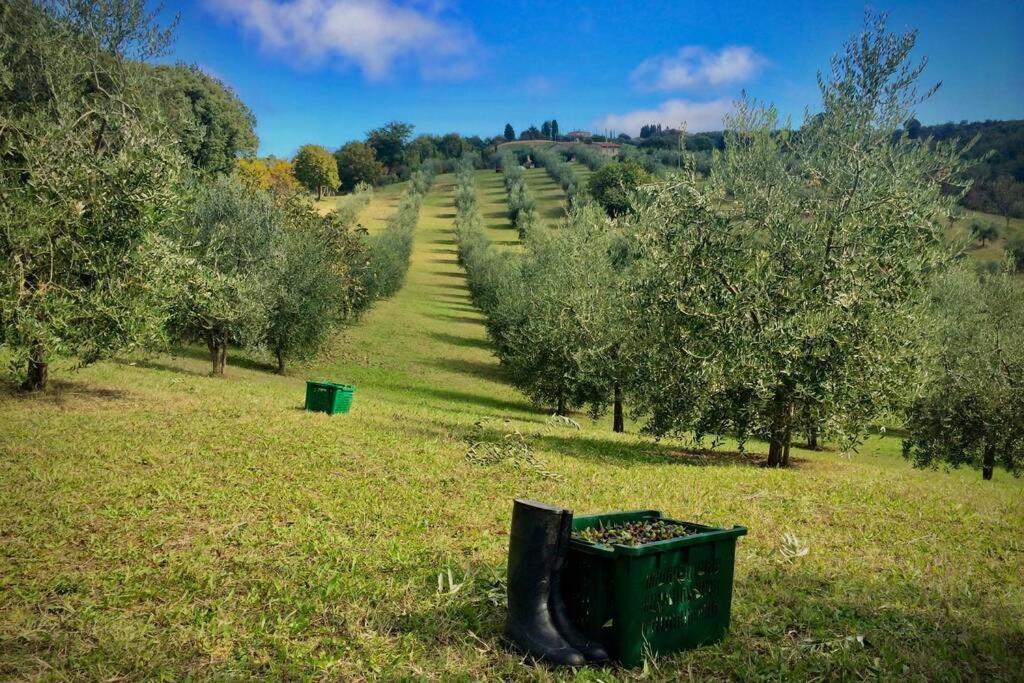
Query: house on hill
578	135
609	149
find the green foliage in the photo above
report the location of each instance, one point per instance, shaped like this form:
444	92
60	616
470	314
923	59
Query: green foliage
212	125
389	142
349	208
357	163
971	411
451	146
559	170
1015	250
390	249
792	281
614	184
522	209
316	169
306	289
87	177
510	132
551	310
588	155
984	231
224	272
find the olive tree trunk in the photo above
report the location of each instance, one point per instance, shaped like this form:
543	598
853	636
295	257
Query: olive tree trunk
988	462
781	432
618	423
280	362
38	370
218	352
560	409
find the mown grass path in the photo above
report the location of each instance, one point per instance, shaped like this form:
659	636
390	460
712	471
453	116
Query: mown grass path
157	522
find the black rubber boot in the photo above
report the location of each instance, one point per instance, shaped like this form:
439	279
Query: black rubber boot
594	652
532	553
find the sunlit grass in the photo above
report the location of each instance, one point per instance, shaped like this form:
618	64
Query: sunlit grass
156	522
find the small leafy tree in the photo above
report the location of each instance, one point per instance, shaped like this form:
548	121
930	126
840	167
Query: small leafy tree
971	411
793	279
270	175
613	185
87	179
1015	250
316	169
227	240
357	163
306	299
984	231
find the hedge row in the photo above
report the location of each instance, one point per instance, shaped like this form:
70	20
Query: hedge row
391	249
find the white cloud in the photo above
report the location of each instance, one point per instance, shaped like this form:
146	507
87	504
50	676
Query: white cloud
696	67
373	35
696	116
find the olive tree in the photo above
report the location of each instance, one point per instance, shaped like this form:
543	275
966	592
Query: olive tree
87	178
226	246
306	297
971	410
792	280
614	184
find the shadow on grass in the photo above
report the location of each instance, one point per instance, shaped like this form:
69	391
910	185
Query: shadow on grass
159	366
237	360
456	340
612	451
449	273
446	215
451	285
455	299
451	242
59	391
450	260
475	320
464	306
489	370
476	401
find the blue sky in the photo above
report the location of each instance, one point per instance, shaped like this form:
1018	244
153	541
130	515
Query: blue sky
325	71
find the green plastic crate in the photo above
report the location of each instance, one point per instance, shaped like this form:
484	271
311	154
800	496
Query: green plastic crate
657	597
329	397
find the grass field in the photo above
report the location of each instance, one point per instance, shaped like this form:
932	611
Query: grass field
377	212
993	250
159	523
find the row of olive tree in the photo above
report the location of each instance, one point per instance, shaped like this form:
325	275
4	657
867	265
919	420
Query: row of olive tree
787	292
522	208
559	170
550	308
391	248
588	155
970	410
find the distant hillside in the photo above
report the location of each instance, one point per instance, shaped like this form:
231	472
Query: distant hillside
999	180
